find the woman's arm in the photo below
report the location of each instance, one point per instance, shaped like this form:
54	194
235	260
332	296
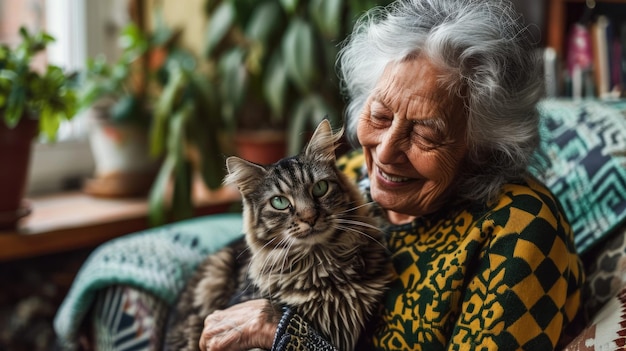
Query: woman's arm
526	287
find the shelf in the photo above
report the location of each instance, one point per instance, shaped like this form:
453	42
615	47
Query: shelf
559	20
71	221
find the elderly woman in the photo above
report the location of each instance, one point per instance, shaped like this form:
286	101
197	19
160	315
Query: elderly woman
442	100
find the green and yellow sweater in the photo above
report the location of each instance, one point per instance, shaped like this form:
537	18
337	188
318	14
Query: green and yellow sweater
499	277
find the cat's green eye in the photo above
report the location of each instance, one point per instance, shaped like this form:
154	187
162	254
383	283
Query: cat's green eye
280	202
320	188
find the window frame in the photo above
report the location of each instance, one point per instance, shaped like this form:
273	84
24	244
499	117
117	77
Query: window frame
82	29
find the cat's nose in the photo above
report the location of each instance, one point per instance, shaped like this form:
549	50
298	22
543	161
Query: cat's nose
309	216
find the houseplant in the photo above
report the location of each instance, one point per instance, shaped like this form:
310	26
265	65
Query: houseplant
32	103
117	98
157	90
186	132
275	61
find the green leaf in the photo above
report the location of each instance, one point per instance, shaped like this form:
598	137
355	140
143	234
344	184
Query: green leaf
327	16
165	106
24	92
212	166
182	204
298	52
219	24
275	86
49	123
234	81
16	103
157	197
162	33
265	20
170	170
290	6
124	109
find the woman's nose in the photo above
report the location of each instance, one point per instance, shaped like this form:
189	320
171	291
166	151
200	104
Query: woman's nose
391	146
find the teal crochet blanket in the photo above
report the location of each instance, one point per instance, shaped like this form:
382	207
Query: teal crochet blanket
157	260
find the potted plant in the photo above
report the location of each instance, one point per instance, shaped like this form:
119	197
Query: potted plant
32	103
275	62
117	98
186	132
156	100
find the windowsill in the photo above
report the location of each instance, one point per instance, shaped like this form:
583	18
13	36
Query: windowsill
74	220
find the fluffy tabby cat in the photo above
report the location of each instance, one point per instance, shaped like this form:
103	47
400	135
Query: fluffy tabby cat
310	243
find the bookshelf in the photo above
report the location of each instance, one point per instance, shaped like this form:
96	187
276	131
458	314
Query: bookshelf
562	16
563	13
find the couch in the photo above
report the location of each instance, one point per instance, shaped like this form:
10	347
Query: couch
120	298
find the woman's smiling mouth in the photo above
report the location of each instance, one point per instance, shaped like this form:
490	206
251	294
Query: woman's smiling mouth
392	178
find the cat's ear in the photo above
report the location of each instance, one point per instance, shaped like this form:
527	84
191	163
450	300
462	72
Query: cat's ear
323	142
243	174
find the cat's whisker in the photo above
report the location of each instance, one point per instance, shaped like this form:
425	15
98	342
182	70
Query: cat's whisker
255	255
273	263
351	209
285	258
358	223
241	254
354	230
250	263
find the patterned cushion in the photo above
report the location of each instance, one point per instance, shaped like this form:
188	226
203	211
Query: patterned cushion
581	159
606	271
607	331
127	319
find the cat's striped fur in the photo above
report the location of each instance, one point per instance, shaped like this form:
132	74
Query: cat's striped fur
310	243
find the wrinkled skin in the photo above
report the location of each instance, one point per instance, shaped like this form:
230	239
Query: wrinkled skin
413	137
248	325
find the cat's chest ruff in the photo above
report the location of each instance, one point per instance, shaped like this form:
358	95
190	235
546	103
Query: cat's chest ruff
315	270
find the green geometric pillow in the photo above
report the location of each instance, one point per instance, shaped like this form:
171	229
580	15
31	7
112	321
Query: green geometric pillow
582	159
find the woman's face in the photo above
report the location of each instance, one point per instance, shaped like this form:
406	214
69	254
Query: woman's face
413	137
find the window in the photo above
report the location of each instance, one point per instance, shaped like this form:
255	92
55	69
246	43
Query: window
82	29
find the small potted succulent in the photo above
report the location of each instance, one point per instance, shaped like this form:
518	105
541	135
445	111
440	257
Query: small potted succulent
32	104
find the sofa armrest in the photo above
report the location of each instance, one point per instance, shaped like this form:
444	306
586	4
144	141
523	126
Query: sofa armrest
157	261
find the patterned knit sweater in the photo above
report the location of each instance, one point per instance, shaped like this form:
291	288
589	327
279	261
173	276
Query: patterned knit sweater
499	277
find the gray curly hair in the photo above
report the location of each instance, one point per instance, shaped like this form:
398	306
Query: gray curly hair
490	64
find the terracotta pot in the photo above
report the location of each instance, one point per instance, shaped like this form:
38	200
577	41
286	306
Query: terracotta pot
262	147
15	151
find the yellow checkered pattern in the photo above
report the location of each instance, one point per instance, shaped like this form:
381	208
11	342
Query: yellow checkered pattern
498	277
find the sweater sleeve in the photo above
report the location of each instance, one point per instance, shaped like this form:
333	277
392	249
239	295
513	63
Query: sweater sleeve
525	287
295	334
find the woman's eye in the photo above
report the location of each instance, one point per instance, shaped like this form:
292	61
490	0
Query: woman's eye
424	142
426	139
280	202
320	188
379	120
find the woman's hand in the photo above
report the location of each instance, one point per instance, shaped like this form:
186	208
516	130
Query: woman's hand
251	324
